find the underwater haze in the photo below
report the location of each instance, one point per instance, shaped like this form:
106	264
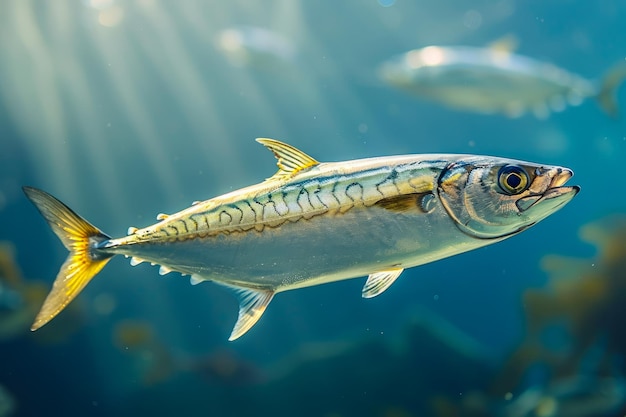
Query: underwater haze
127	109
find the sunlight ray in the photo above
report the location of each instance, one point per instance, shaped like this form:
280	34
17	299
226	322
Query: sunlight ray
36	71
124	68
189	89
97	153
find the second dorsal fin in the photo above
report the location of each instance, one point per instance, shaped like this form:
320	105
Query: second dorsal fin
290	160
507	44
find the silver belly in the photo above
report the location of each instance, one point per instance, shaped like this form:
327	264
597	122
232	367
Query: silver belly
323	249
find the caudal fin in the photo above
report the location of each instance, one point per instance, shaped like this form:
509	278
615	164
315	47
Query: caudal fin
610	83
84	260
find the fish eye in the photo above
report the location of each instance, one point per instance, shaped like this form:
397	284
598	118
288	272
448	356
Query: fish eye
513	179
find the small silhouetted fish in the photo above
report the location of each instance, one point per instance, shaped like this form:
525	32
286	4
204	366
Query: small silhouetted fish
494	80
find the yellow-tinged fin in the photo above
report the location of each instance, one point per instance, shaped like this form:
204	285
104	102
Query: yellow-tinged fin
84	260
378	282
608	87
290	160
252	305
164	270
196	279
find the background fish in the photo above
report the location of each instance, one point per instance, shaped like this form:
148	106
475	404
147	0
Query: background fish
313	223
493	80
255	46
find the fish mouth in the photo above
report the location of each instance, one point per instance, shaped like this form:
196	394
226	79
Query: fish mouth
557	189
555	195
561	176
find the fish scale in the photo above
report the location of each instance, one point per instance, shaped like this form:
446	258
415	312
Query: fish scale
293	202
313	223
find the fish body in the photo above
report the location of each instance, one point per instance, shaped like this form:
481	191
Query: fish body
489	80
242	238
313	223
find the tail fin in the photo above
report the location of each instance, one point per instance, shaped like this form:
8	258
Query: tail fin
84	260
610	83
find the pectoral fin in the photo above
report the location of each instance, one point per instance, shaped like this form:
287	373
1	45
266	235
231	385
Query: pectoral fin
252	304
378	282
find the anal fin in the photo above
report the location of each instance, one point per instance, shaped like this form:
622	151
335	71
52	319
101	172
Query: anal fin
378	282
196	279
252	305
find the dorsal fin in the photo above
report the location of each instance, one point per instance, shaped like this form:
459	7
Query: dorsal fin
506	44
290	160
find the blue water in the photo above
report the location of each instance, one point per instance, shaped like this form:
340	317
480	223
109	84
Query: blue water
127	109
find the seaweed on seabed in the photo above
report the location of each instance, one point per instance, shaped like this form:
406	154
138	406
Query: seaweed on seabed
158	362
586	300
20	300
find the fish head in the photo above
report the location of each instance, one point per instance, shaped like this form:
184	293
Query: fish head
493	198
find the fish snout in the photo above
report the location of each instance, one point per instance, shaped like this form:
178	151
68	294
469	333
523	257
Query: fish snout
557	188
551	189
561	176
